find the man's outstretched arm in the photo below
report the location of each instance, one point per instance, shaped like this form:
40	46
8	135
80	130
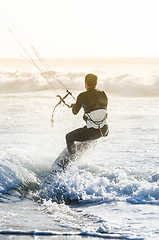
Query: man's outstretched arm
77	106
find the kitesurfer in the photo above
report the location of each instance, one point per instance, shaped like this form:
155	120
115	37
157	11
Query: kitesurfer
94	103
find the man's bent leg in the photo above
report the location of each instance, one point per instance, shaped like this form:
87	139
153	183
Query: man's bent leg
81	135
76	135
70	142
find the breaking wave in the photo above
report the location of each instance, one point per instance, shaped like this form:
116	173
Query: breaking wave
119	83
15	180
90	184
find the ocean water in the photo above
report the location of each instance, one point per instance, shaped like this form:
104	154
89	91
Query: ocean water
112	190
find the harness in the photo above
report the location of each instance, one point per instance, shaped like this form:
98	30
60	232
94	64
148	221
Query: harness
98	123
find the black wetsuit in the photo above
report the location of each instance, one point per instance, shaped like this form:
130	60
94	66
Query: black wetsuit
90	100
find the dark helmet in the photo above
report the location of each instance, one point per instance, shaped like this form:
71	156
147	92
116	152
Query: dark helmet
91	80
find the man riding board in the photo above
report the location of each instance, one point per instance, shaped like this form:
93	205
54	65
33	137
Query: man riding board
94	103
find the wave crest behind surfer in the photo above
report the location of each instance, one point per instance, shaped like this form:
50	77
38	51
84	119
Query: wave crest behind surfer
94	102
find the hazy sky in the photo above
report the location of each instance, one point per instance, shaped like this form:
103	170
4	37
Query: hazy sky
81	28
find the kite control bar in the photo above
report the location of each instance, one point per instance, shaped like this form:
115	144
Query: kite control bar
61	101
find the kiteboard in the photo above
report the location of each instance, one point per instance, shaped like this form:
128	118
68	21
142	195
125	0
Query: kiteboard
65	157
61	161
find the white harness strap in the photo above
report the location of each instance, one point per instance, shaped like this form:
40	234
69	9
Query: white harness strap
96	118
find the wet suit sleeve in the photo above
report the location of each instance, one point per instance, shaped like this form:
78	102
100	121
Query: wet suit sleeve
77	106
106	99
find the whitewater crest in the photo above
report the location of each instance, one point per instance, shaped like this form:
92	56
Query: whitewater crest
120	83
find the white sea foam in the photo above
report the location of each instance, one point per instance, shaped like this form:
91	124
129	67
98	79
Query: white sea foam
69	234
88	185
